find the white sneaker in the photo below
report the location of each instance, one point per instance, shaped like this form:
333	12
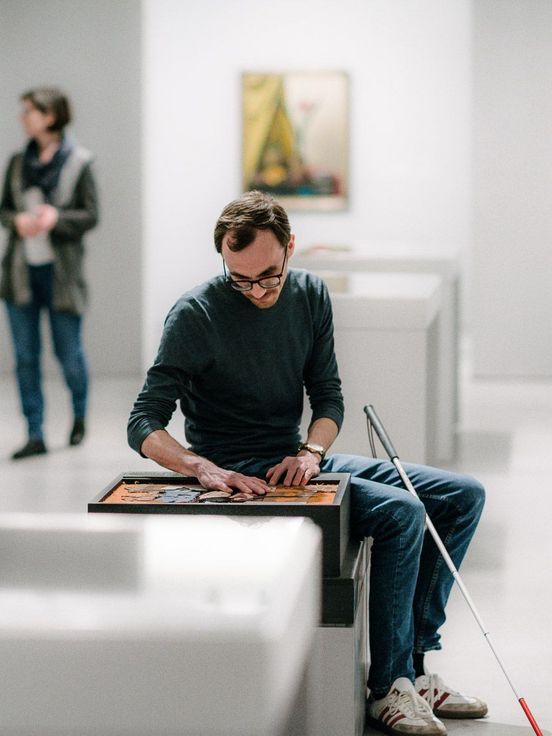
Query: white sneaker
403	711
446	702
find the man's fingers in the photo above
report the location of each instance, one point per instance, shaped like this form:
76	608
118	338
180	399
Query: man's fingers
290	475
258	490
307	475
299	476
227	481
275	473
250	484
216	485
290	472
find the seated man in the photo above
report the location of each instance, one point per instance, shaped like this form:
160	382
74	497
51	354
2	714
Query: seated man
237	353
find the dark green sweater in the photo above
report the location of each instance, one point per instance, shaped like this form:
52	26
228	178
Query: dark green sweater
239	371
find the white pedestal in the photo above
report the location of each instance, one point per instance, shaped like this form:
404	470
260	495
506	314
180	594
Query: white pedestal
154	625
387	347
409	258
337	673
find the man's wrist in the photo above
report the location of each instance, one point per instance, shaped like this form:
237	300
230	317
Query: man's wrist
314	448
194	464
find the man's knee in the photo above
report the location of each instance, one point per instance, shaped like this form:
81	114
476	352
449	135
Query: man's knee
408	512
395	513
472	495
476	494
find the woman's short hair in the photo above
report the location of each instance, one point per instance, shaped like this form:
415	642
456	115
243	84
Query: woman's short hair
50	99
251	212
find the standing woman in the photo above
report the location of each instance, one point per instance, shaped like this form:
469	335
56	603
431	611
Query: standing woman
48	202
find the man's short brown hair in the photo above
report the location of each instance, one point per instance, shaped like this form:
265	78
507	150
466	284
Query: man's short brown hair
251	212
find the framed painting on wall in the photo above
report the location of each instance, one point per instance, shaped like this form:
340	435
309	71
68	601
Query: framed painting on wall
295	137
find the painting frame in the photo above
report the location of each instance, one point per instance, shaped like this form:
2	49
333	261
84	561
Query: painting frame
295	137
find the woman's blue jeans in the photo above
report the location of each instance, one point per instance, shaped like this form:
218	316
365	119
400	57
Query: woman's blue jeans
66	336
409	580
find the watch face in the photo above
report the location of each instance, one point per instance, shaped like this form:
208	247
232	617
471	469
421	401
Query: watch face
316	448
311	447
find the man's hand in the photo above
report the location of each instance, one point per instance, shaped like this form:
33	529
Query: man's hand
217	479
295	471
169	453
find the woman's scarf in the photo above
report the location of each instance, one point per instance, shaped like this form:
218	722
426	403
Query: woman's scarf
44	175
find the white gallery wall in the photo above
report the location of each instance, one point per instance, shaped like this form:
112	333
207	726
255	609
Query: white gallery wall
92	50
512	244
410	116
156	87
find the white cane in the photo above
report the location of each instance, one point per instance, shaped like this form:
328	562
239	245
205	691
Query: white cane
375	423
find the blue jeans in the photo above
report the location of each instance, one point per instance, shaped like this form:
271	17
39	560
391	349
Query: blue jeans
66	336
409	580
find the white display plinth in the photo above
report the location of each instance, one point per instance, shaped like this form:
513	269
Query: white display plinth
154	625
386	341
411	258
338	668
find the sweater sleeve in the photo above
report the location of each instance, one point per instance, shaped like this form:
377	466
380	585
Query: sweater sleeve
322	381
168	379
83	215
155	404
7	205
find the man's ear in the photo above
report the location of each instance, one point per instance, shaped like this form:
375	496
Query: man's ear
291	245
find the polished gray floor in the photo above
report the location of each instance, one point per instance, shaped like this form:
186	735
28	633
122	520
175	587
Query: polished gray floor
504	439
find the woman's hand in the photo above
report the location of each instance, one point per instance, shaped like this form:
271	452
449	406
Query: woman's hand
46	217
26	225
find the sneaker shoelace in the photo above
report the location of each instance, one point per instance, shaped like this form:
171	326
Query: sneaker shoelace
412	705
435	688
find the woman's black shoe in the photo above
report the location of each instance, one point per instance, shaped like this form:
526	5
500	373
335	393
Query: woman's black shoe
33	447
78	431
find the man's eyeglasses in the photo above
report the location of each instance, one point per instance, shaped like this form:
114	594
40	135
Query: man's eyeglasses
266	282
